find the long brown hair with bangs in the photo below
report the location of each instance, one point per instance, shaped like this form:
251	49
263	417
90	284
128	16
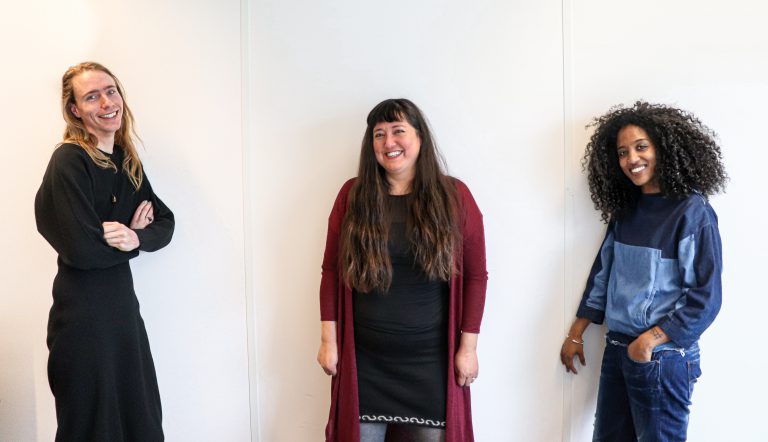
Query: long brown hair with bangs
76	133
432	225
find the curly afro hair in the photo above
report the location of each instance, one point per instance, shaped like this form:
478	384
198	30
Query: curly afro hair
688	157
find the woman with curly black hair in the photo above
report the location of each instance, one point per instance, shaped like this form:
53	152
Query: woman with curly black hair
656	278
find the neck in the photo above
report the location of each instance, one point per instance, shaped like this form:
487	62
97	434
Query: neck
399	185
652	187
106	144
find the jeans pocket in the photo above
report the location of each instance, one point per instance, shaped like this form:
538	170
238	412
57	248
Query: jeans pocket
640	363
643	382
642	370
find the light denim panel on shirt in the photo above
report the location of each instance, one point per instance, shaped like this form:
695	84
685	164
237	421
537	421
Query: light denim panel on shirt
659	265
643	288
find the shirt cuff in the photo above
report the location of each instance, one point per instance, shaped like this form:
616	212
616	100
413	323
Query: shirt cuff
593	314
676	332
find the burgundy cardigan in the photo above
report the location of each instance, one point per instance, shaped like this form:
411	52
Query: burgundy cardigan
465	312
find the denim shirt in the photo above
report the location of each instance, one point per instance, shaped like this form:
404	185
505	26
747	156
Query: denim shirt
660	265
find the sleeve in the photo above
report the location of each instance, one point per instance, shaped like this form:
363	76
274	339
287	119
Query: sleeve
593	301
700	260
66	217
475	274
159	233
330	281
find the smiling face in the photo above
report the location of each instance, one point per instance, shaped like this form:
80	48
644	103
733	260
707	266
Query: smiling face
637	158
98	105
396	146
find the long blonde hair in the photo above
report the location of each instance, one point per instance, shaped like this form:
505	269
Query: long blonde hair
76	133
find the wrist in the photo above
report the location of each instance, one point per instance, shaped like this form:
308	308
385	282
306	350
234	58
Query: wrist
468	342
576	339
135	238
578	327
646	342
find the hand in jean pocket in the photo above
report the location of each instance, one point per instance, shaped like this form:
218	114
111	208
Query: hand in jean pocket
641	349
639	352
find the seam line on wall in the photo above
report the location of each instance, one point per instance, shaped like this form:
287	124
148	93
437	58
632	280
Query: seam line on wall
248	237
568	218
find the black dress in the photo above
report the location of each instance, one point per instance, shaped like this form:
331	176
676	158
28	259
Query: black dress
401	339
100	368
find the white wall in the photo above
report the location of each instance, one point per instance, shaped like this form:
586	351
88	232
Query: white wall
180	65
508	87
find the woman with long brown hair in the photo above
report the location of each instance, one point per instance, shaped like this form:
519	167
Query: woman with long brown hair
97	209
403	289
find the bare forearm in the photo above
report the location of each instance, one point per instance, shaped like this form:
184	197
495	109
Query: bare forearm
652	337
577	328
328	332
468	341
328	354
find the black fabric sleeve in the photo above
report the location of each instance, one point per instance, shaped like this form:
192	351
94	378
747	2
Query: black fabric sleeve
66	217
159	233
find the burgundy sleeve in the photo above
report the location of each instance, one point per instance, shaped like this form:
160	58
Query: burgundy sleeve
475	275
329	282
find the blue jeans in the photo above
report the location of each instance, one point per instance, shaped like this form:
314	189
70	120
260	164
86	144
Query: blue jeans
644	401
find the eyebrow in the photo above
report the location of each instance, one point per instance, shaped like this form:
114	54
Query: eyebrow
633	142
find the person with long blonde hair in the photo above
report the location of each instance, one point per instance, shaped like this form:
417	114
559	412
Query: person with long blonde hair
97	209
402	291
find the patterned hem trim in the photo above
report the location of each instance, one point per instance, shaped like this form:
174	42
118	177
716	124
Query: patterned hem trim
402	420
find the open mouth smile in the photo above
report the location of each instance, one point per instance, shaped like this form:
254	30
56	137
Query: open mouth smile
109	116
394	154
638	169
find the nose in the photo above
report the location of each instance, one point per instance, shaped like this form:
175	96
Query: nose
106	101
632	155
389	140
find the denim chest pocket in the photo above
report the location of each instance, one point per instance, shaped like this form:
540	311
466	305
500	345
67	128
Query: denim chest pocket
667	291
644	315
632	287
